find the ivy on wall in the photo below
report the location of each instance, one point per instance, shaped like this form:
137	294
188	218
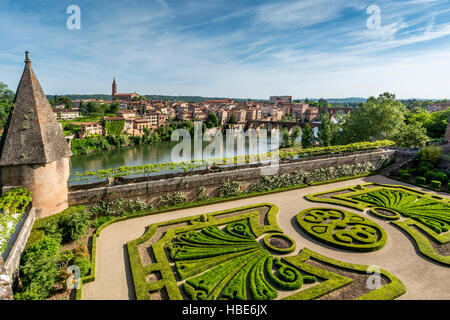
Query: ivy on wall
114	127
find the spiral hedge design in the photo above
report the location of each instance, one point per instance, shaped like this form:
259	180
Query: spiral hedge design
342	229
424	216
230	257
217	256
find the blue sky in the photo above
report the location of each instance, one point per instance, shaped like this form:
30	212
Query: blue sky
230	48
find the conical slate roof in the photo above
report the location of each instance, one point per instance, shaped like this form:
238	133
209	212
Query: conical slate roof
32	134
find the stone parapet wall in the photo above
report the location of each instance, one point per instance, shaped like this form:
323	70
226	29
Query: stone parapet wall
9	266
151	190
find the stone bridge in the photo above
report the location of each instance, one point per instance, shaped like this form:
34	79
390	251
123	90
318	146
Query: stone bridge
290	125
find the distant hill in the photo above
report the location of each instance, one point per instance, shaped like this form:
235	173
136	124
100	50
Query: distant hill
151	97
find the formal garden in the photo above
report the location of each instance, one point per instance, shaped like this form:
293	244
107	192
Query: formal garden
242	253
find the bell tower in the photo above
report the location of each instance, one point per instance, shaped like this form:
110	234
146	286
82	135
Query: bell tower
114	88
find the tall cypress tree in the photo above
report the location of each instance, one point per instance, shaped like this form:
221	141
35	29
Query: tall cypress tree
325	129
307	137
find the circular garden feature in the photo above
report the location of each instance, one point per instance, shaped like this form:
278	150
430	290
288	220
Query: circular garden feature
279	243
342	229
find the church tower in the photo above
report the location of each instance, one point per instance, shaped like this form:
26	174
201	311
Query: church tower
34	152
114	88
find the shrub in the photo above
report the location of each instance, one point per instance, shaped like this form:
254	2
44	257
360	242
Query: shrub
39	269
118	207
431	154
267	183
421	180
230	189
405	176
436	184
439	176
202	194
74	223
175	199
84	263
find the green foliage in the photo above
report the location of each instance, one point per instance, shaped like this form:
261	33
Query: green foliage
74	223
39	270
12	207
84	263
342	229
173	199
307	137
117	208
223	263
411	136
430	154
230	189
436	184
202	193
114	127
421	180
325	129
267	183
6	103
430	212
377	119
405	176
426	211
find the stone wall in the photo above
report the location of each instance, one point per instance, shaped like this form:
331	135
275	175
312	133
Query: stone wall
9	262
152	189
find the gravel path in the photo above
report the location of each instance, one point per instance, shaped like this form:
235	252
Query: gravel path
423	279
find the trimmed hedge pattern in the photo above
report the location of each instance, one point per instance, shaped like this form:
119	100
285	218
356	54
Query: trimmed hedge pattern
426	211
218	258
342	229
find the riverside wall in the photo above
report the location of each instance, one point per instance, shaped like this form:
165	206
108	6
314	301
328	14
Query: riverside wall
150	189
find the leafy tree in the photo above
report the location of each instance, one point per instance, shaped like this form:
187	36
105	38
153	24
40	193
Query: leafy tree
67	102
430	154
294	135
411	136
232	119
325	129
212	121
6	103
377	119
286	140
307	137
322	103
114	107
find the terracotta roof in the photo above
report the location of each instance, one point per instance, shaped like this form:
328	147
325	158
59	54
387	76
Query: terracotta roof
32	134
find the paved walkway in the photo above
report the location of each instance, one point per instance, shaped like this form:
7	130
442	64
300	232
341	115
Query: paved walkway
422	278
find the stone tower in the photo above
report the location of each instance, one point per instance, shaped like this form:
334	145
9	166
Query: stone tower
114	88
34	152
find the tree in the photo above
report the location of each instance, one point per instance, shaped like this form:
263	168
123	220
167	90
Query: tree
377	119
307	137
324	129
212	121
411	136
6	103
286	141
294	135
232	119
431	154
323	103
67	102
114	107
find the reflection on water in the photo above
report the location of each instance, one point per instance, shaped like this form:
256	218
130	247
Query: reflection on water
152	153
